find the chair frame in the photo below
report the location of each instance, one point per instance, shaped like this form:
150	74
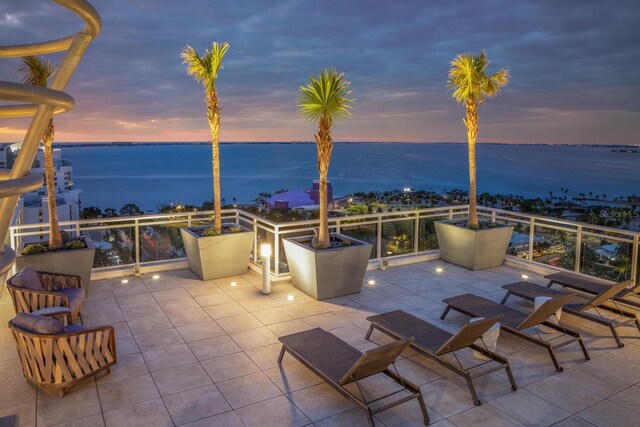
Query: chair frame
57	362
29	300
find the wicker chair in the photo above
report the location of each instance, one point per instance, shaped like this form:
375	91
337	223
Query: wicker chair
56	362
28	300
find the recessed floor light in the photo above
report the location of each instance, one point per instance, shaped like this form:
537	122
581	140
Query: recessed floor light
524	276
155	276
371	282
439	270
124	281
233	284
290	297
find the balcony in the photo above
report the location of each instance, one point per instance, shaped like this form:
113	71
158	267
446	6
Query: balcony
205	353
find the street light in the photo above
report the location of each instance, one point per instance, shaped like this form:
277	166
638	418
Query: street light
265	253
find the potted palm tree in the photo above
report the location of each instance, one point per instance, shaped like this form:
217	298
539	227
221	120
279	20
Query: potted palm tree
220	250
326	265
57	255
473	245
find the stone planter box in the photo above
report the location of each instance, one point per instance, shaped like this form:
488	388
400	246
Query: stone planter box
473	249
213	257
327	273
75	261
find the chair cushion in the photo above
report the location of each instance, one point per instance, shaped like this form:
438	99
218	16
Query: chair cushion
27	278
38	324
74	328
75	297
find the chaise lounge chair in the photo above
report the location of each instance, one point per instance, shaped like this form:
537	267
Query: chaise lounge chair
340	364
516	322
594	286
435	342
579	305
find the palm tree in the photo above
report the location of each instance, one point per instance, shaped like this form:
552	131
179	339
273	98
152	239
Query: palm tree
323	100
35	71
471	85
204	69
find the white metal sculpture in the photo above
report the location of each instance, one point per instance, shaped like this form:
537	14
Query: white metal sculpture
39	103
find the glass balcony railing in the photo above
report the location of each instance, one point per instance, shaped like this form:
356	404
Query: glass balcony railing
137	242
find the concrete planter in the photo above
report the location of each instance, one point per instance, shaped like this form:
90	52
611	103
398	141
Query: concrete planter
327	273
75	261
213	257
473	249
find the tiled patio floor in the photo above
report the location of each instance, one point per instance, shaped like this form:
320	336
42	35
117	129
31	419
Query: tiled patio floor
204	354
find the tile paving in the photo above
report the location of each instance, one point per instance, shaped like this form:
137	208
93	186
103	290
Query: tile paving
203	353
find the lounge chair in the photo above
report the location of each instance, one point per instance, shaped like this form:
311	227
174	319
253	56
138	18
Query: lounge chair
55	357
340	364
594	286
579	305
32	290
516	322
435	342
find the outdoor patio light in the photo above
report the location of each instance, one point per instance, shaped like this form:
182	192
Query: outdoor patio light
233	284
265	253
371	282
439	270
124	281
524	276
290	297
155	276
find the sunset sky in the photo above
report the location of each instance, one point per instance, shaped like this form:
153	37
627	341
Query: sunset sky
574	66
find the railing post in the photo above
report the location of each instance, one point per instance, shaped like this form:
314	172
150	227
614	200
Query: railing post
276	251
532	237
634	258
493	216
578	248
379	239
338	226
189	219
136	245
256	255
416	234
237	216
450	213
12	240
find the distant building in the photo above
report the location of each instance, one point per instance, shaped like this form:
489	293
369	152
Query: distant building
6	155
33	207
308	199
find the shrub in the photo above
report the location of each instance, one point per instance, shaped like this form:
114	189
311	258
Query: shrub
235	229
211	231
74	244
34	249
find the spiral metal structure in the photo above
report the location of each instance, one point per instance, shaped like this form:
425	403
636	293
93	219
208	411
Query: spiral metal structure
40	104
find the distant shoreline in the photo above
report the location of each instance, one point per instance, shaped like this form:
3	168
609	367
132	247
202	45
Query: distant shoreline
137	144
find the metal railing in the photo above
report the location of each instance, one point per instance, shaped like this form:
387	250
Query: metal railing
144	242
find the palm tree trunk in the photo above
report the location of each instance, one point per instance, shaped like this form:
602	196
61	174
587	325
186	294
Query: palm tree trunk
213	114
55	239
471	122
324	145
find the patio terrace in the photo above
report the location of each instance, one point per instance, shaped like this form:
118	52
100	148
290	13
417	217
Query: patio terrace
204	354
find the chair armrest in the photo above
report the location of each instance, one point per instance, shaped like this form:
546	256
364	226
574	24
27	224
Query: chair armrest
52	311
27	300
57	281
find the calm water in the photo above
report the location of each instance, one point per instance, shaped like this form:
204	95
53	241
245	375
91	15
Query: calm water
152	175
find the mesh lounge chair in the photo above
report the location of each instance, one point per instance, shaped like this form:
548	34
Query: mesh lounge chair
516	322
435	342
340	364
595	286
579	305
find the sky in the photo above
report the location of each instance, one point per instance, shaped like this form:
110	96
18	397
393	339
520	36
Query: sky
574	67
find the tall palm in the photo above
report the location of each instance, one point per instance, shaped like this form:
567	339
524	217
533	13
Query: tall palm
324	100
204	69
471	85
35	71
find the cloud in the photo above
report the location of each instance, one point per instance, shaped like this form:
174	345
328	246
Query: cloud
573	67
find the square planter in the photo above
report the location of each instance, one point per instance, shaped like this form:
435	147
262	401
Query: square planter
74	261
213	257
473	249
327	273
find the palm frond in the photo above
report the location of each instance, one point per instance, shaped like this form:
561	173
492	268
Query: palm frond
204	69
35	71
326	95
469	81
